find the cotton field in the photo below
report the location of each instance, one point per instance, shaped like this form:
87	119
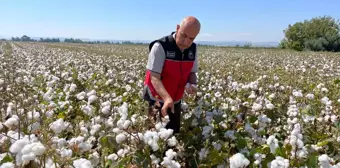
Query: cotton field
80	106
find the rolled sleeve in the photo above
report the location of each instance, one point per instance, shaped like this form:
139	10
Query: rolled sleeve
156	58
195	66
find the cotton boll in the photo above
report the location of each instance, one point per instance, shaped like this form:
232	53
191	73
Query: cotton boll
252	95
172	141
256	107
126	124
73	87
95	128
165	133
324	161
82	163
92	98
58	126
87	109
106	110
92	92
279	162
38	148
270	106
84	131
273	143
94	158
12	122
154	159
81	96
120	138
238	161
84	146
310	96
29	156
113	157
7	165
33	115
18	145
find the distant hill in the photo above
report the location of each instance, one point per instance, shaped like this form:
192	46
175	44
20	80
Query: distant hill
240	43
215	43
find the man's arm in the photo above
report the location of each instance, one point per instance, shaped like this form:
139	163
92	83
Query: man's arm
155	65
193	77
159	87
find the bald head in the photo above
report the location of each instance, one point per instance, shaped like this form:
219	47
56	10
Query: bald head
191	21
187	31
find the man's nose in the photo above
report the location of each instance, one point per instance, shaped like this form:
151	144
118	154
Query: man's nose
187	41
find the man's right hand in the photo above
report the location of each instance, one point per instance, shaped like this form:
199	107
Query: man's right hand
168	103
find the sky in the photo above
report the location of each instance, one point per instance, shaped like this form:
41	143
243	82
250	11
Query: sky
221	20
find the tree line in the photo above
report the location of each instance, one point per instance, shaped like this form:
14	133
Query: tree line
69	40
317	34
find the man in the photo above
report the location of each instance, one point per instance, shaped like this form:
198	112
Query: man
172	65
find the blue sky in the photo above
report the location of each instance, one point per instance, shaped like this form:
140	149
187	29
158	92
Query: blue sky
222	20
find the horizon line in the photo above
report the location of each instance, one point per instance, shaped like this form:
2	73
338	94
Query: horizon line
108	39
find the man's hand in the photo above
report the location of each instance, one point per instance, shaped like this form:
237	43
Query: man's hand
168	103
191	89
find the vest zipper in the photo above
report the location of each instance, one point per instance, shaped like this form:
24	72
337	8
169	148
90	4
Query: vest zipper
179	83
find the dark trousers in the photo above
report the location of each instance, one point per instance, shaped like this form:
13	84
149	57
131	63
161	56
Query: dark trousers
175	118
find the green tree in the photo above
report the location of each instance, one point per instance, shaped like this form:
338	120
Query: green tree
316	34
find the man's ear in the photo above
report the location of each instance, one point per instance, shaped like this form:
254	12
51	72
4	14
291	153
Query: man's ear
177	28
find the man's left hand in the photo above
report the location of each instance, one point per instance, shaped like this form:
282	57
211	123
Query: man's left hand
191	89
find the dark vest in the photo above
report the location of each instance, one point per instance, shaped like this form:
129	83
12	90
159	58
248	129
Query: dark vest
176	69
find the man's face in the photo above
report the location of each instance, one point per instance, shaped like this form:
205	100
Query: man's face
185	36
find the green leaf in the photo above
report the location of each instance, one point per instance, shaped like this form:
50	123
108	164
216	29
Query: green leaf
322	143
288	148
254	150
6	159
241	143
281	152
252	119
61	115
312	161
269	157
336	81
104	141
214	157
218	118
141	158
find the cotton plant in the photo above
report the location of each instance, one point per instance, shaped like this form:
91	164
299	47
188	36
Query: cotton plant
83	105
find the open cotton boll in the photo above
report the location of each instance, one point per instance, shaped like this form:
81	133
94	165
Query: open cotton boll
105	110
58	126
87	109
33	115
168	159
256	107
172	141
165	133
12	122
92	98
81	96
82	163
73	87
95	128
238	161
7	165
273	143
92	92
279	162
113	157
120	138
